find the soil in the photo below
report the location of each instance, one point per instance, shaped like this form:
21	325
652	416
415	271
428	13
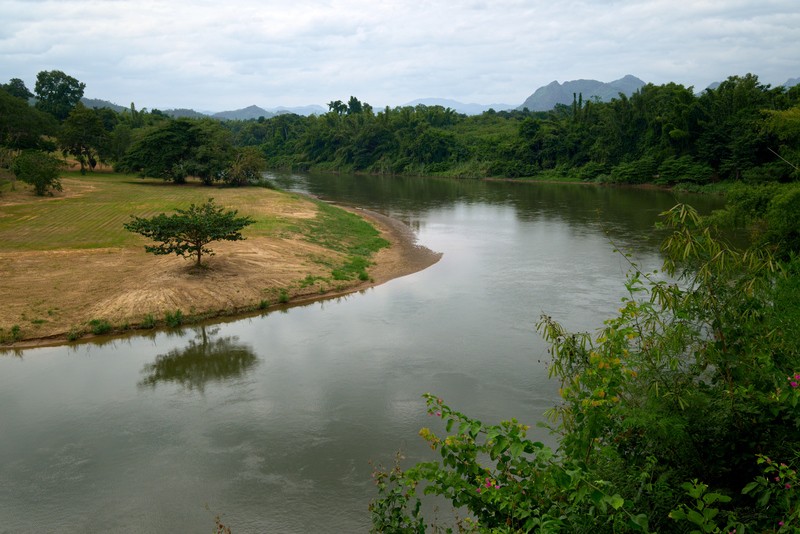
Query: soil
52	295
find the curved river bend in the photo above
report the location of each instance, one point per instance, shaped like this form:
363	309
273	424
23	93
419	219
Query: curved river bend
271	421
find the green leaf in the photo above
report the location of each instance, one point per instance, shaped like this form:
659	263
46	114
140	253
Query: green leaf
616	501
677	515
640	521
750	487
696	517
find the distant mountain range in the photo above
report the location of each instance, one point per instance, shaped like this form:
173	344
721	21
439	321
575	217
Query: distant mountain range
460	107
544	98
250	112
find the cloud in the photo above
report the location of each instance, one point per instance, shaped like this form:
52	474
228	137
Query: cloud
214	55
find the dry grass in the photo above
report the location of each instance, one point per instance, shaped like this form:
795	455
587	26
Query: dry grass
66	260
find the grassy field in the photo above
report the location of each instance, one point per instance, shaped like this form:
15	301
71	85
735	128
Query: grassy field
91	212
68	264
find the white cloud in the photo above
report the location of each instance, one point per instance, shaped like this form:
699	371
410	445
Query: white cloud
214	55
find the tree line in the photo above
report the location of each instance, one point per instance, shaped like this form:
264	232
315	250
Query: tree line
664	134
36	125
740	130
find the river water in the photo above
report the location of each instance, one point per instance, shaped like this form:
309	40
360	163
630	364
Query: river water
272	421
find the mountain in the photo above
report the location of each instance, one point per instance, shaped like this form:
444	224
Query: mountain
183	113
98	104
312	109
250	112
545	98
791	82
460	107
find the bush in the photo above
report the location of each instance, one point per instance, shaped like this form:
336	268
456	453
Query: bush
100	326
149	321
677	170
174	319
635	172
38	169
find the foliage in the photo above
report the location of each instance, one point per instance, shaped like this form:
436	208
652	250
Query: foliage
187	232
661	133
149	321
83	135
22	126
17	88
57	93
100	326
741	130
770	211
38	169
173	319
666	413
175	149
247	166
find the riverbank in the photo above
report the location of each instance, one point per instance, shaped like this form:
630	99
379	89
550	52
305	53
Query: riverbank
54	294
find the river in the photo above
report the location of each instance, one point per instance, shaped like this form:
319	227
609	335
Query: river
271	421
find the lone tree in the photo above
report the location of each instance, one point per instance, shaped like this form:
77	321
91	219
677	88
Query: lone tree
187	232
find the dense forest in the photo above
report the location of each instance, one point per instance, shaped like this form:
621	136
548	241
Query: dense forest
666	134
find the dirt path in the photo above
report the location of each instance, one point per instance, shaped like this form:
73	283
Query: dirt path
52	295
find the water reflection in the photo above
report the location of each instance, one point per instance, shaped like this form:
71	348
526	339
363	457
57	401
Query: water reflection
204	359
616	211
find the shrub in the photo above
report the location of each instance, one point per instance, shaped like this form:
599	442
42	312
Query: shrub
174	319
283	296
100	326
38	169
149	321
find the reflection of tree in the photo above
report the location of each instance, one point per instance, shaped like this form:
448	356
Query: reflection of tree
202	360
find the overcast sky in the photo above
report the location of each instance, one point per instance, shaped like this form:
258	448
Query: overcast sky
228	54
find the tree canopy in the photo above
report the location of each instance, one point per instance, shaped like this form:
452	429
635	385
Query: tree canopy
57	93
16	87
187	232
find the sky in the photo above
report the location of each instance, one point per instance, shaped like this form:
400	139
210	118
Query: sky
228	54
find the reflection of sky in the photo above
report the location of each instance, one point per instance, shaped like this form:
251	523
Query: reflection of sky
337	383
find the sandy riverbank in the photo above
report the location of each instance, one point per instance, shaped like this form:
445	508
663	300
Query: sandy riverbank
64	290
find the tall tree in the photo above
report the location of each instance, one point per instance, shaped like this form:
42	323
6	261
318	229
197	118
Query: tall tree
17	88
57	93
81	136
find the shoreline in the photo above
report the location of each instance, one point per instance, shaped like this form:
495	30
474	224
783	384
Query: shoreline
402	258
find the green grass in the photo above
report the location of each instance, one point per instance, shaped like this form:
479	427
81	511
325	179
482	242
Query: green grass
100	326
348	233
340	230
94	217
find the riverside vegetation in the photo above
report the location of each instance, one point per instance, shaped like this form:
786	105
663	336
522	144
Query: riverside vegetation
663	134
681	415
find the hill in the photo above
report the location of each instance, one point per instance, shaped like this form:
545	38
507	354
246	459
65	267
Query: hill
545	98
460	107
99	104
250	112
